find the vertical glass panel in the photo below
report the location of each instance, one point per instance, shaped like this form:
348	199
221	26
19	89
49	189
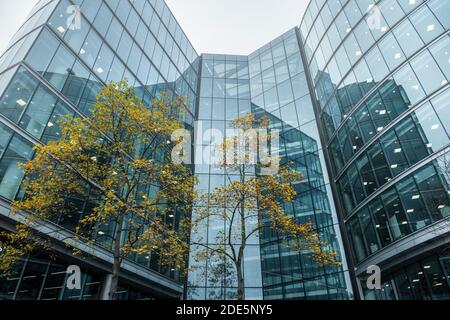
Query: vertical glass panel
60	67
53	130
103	64
408	38
103	20
114	32
436	278
392	52
367	175
403	285
442	106
380	165
396	217
75	38
357	239
434	188
428	72
38	112
419	285
394	153
409	85
5	135
430	128
440	52
90	48
76	82
412	201
368	230
412	144
58	21
381	222
426	24
17	95
19	150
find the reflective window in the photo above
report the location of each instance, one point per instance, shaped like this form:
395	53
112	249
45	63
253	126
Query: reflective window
18	151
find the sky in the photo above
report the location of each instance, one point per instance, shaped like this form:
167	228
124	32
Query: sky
12	16
235	26
213	26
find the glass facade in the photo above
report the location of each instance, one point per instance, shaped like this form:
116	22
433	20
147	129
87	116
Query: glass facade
224	96
380	71
270	82
55	65
359	92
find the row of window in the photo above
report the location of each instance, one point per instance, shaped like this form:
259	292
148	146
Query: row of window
33	107
420	134
278	84
41	278
328	287
408	38
139	17
341	48
63	70
321	12
229	68
423	76
412	204
274	53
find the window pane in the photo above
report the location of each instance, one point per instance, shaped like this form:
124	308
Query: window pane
39	111
11	175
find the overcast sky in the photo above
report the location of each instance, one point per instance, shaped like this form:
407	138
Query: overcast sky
213	26
235	26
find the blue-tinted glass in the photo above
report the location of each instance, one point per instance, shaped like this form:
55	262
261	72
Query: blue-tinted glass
19	150
38	112
17	95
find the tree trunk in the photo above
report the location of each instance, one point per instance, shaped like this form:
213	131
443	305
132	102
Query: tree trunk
240	280
117	262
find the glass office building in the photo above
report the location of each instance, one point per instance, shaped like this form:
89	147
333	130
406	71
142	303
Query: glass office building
360	93
380	72
55	65
270	82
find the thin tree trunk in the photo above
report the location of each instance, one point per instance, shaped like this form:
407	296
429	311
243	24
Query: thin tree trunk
117	262
240	280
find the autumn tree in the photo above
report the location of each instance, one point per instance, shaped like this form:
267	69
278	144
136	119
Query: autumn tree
118	160
256	189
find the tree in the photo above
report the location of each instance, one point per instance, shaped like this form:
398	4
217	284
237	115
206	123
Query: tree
250	202
118	160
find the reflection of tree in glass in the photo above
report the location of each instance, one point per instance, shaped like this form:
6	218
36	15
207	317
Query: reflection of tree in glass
242	206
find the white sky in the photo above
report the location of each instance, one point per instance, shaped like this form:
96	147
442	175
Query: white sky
235	26
12	16
213	26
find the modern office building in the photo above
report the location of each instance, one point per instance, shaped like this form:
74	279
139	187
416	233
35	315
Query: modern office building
56	64
360	93
380	75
